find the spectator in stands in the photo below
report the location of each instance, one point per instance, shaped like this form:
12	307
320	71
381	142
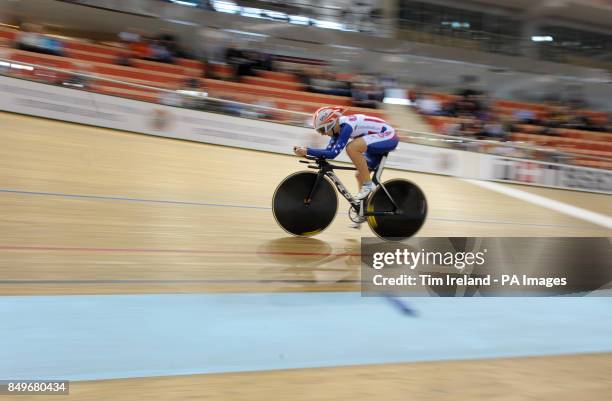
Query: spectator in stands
413	96
192	83
141	49
559	117
525	116
321	82
124	58
471	127
468	105
373	96
343	88
493	129
304	75
376	92
360	96
163	48
33	38
325	82
262	61
428	105
129	40
239	60
129	36
168	40
159	52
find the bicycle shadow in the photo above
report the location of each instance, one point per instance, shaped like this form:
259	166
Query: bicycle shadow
308	262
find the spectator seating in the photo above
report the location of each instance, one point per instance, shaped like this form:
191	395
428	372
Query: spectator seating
575	141
276	92
273	83
281	88
593	163
7	33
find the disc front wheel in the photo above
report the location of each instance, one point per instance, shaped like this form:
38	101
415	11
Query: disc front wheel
298	215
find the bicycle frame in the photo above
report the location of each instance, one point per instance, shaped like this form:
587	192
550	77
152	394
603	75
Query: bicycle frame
327	169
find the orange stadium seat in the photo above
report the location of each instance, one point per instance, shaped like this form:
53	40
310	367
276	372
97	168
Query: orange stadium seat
193	64
221	70
278	76
294	105
164	67
529	128
581	134
92	48
8	33
598	117
101	59
444	97
536	107
595	148
137	63
128	74
89	56
43	59
439	123
587	152
111	53
153	77
272	83
520	137
594	163
275	92
345	77
293	100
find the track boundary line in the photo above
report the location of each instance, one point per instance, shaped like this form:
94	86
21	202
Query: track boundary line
551	204
238	206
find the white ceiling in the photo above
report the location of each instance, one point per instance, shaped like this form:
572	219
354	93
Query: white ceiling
597	12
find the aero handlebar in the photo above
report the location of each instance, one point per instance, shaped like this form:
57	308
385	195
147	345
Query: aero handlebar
320	162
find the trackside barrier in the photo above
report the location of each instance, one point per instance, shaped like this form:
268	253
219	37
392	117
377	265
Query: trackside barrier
80	106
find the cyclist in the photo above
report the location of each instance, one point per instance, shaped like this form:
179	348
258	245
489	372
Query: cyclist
366	140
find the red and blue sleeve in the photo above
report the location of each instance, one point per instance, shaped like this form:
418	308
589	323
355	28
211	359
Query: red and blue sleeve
336	144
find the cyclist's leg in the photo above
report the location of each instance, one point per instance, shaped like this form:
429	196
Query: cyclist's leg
377	147
355	150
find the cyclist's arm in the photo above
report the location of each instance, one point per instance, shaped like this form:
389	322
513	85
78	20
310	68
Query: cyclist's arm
335	146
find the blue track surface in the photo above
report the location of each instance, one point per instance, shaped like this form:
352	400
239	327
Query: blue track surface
117	336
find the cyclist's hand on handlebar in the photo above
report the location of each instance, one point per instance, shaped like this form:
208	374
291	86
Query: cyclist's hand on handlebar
299	151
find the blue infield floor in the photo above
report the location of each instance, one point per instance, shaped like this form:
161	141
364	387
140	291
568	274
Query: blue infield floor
121	336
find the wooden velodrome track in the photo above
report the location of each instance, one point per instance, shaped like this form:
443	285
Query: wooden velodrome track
140	214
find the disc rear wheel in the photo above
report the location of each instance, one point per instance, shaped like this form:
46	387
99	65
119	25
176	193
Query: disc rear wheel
412	210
